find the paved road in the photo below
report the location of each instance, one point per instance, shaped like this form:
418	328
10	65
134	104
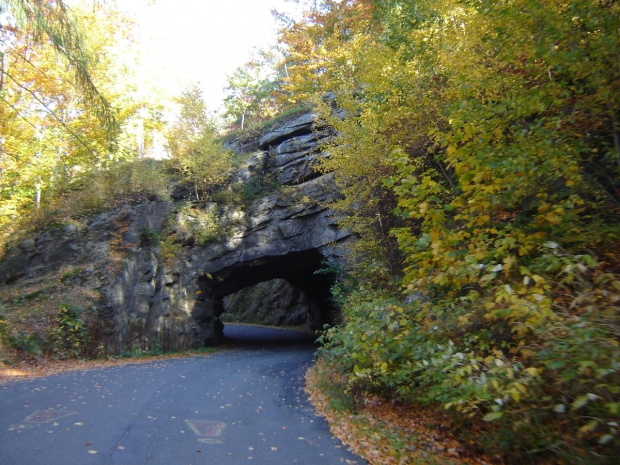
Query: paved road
244	404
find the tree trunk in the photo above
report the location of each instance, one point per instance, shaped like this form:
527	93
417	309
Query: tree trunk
37	196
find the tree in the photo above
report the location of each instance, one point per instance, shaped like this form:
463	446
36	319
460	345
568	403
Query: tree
250	90
45	20
51	140
494	124
332	53
193	146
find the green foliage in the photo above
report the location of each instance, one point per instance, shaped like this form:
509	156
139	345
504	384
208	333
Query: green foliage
192	141
249	94
559	396
69	336
55	139
69	275
149	237
202	224
251	190
26	344
244	193
61	334
334	386
496	140
168	248
255	187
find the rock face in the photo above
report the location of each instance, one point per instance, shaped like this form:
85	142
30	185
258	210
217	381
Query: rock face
274	303
286	233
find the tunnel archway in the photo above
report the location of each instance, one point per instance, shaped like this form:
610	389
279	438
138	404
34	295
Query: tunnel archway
298	268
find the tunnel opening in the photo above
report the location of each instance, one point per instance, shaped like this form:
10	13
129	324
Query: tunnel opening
299	269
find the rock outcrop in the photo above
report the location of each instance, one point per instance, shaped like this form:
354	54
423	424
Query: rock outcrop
272	303
286	233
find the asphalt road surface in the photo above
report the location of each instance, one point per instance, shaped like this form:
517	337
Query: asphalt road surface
243	404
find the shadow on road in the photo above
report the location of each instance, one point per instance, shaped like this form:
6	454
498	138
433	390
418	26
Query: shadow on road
236	335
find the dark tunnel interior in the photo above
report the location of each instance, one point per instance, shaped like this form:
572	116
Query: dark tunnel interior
298	268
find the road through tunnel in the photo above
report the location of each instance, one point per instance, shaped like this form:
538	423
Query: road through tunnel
299	269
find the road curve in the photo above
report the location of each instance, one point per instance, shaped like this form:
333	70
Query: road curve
243	404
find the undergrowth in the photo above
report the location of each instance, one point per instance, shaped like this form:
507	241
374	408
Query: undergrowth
56	317
544	383
384	433
90	193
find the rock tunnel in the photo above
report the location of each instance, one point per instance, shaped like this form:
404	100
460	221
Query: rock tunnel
298	268
286	230
288	233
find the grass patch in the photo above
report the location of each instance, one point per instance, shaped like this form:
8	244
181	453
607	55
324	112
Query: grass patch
69	275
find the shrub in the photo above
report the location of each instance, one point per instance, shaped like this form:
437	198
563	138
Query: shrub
203	225
544	382
149	237
69	336
257	186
